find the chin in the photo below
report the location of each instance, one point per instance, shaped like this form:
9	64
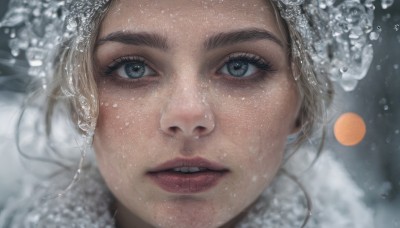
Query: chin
184	212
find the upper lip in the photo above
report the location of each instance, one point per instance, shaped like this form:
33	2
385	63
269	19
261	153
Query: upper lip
192	162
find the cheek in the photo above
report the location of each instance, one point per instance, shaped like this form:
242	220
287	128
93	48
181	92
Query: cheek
124	118
122	130
108	143
265	118
258	126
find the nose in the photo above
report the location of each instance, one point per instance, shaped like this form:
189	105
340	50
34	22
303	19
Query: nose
187	113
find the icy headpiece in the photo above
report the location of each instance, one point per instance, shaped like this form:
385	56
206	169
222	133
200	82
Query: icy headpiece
38	27
334	35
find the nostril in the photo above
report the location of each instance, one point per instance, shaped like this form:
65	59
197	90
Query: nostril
187	123
200	129
174	129
197	131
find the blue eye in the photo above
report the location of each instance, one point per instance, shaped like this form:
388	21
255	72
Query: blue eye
238	68
131	68
244	65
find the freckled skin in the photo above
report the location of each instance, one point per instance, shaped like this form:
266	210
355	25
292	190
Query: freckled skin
242	126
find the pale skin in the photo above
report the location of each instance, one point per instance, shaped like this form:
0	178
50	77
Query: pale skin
187	104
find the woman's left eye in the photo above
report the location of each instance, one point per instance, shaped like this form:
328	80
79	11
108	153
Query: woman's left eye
131	68
244	66
238	68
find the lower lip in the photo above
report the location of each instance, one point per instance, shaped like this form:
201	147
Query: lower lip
187	183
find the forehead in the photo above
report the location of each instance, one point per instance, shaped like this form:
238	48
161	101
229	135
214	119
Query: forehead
201	17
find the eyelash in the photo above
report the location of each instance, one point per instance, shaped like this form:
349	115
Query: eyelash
259	63
117	63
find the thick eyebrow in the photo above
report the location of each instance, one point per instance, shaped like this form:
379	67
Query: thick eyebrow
131	38
229	38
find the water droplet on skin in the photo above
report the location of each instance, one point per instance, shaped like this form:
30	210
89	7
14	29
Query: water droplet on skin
115	105
254	178
396	66
396	27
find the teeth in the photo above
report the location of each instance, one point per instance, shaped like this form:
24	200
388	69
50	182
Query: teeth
194	169
188	169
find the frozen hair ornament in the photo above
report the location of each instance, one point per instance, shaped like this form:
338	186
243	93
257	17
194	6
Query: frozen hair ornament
39	27
334	36
331	36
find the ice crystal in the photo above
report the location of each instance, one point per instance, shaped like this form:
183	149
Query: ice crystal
386	3
334	35
40	28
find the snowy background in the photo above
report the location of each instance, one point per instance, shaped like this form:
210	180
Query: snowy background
374	163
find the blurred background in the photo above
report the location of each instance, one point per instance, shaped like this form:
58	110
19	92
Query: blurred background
374	163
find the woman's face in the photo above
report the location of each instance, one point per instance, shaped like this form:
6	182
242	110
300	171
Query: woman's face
196	99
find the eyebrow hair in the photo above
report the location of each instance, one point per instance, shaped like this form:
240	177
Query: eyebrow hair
229	38
142	38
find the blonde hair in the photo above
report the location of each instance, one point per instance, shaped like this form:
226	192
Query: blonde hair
74	77
316	90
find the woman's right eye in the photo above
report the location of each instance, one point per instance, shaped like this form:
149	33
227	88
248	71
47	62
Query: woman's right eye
130	68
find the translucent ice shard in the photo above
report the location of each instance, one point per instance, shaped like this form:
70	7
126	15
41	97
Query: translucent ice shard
386	3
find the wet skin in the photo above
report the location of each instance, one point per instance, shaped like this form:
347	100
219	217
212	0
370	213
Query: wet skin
185	79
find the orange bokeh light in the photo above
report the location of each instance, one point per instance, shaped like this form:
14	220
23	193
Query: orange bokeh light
349	129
